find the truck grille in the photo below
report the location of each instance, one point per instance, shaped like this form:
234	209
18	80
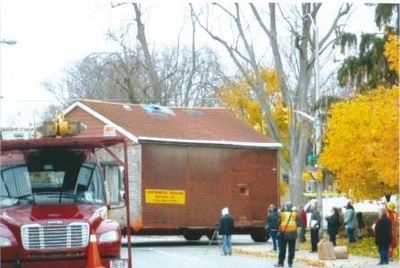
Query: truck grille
74	235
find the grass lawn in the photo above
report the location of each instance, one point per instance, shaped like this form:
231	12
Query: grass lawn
365	247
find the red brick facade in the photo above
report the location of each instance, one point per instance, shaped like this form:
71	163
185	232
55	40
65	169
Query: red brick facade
245	180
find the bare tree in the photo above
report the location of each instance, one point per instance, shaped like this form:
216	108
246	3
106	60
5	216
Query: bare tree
294	73
176	76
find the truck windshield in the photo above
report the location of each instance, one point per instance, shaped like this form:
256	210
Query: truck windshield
51	182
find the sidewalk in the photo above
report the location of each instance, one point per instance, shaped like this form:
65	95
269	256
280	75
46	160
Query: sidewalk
311	259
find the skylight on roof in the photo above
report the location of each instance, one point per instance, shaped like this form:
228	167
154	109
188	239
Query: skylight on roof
157	111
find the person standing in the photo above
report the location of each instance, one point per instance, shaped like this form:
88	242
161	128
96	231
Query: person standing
226	226
383	236
299	226
360	225
350	222
315	223
303	215
392	215
273	221
333	225
288	229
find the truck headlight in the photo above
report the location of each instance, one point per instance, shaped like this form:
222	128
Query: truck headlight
5	242
108	237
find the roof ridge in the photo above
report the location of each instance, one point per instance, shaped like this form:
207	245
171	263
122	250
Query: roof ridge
143	104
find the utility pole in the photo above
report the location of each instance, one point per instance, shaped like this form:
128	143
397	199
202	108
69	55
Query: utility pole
317	123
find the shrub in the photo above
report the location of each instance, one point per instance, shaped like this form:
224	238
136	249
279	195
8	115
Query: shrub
369	220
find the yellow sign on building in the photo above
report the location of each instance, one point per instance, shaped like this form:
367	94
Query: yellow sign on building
174	197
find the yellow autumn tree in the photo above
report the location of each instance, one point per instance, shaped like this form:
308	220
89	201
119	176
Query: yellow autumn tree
391	52
238	98
362	144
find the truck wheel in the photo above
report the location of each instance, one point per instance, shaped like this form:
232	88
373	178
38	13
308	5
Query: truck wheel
192	236
260	237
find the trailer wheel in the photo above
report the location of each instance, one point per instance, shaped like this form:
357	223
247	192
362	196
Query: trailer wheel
192	236
260	237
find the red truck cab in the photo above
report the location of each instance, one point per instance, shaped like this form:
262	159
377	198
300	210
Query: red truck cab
52	198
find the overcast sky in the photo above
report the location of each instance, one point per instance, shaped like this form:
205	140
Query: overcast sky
52	34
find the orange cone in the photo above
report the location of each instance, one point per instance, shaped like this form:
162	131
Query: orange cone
93	260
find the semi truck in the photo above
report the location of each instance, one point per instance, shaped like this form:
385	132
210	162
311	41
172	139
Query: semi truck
53	203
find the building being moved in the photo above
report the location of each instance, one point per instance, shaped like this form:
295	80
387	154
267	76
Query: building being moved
185	165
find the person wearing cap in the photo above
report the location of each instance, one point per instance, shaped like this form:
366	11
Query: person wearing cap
288	230
392	215
226	227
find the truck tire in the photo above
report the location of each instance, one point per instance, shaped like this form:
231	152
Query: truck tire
191	236
260	237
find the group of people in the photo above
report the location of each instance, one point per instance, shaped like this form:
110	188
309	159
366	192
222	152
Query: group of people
287	228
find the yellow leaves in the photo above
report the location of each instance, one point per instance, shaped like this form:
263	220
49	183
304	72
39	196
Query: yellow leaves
391	52
271	76
362	144
283	187
239	98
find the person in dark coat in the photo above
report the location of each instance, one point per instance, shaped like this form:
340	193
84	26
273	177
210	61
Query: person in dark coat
272	226
383	236
333	225
226	226
315	223
360	225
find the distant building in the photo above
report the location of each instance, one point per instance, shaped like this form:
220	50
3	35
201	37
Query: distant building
13	133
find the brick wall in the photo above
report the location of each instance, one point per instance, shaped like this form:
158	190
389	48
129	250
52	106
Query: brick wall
245	180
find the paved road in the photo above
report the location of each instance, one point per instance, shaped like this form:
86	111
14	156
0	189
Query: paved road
176	252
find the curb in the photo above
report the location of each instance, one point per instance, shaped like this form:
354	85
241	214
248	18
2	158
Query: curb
311	259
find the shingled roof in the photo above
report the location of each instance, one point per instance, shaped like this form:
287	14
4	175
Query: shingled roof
158	123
